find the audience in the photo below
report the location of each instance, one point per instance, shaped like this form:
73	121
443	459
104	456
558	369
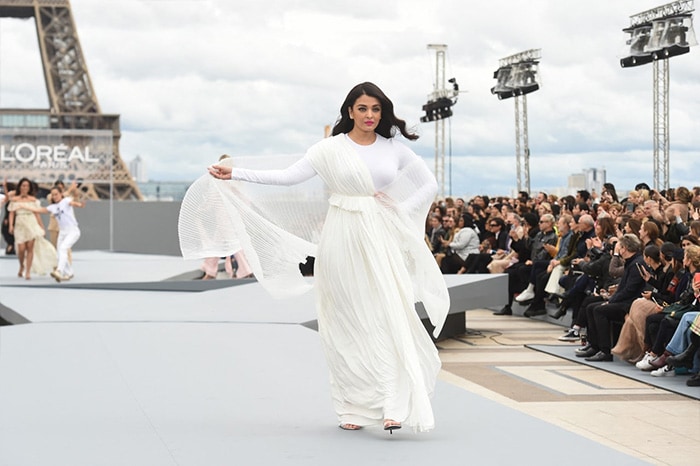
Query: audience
617	262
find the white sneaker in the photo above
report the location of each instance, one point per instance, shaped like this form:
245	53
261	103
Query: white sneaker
666	371
645	363
525	295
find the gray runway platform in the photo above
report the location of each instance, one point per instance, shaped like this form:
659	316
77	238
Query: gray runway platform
215	377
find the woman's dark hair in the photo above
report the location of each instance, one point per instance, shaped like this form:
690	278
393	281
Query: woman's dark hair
635	225
31	186
653	252
653	231
610	189
468	221
607	227
387	125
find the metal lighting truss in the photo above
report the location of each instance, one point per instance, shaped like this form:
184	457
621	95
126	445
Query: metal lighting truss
438	109
517	76
655	36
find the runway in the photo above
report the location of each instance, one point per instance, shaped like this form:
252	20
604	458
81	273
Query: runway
140	374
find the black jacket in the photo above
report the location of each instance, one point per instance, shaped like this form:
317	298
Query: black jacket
632	284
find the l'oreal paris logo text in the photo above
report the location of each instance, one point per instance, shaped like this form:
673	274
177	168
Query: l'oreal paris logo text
44	155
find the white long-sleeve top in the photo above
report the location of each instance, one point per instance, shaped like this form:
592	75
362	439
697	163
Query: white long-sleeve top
383	158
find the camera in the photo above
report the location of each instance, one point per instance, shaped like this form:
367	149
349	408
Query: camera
595	253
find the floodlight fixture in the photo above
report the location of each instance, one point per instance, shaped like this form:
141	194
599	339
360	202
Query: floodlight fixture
438	108
660	33
517	74
655	36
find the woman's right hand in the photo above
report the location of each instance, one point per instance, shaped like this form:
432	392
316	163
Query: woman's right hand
220	172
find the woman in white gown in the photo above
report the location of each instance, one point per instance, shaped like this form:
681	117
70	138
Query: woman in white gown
371	262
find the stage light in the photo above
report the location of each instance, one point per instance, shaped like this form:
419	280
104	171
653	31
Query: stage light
517	76
655	36
437	109
638	54
502	89
660	33
524	78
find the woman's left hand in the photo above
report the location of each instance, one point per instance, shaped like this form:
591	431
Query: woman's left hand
220	172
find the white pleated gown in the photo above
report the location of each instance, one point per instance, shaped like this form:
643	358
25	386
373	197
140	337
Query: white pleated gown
371	266
382	362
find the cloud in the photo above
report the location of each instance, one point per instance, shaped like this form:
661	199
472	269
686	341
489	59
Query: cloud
194	79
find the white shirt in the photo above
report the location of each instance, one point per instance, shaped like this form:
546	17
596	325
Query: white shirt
63	212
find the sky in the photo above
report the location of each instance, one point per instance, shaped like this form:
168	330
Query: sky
196	79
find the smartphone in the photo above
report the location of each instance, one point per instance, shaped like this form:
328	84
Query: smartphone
640	267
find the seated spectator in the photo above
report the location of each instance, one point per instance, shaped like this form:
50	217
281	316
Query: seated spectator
652	211
464	243
675	228
580	208
565	248
695	228
663	283
519	274
448	225
633	226
687	240
683	200
615	307
591	286
437	232
609	193
650	234
659	330
496	245
545	252
680	352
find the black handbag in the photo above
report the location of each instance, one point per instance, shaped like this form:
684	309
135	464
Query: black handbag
677	309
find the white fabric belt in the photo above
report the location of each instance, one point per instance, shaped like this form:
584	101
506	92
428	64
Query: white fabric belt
352	203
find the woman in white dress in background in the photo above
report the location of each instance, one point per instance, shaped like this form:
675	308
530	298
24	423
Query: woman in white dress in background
371	265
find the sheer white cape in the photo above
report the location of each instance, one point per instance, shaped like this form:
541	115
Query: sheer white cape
218	218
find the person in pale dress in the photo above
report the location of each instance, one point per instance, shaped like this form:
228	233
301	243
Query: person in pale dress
371	263
61	209
34	252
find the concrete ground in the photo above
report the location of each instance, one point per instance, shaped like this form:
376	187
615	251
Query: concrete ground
122	368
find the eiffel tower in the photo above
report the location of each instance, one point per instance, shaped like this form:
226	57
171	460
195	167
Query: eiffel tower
72	118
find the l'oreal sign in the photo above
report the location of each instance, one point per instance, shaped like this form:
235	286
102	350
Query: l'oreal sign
45	155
